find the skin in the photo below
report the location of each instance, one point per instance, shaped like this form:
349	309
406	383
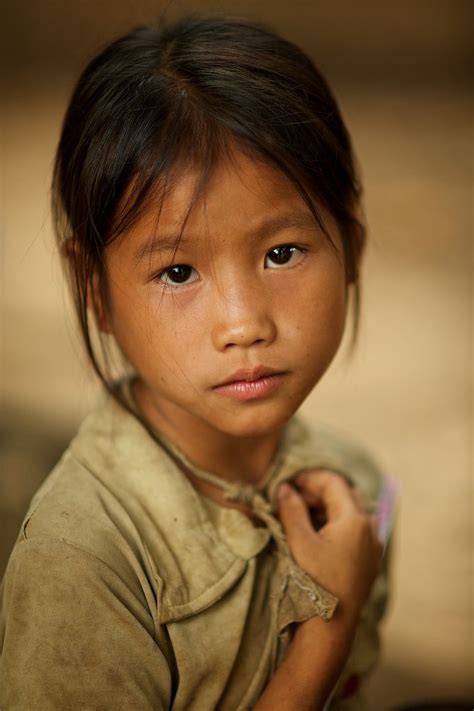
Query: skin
239	308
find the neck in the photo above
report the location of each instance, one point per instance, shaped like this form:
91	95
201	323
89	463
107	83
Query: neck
231	458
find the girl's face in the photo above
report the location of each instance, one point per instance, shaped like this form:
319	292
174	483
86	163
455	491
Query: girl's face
258	284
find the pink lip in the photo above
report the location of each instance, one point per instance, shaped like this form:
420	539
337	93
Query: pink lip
251	390
249	374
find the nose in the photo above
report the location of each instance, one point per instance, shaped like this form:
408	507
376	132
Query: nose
242	315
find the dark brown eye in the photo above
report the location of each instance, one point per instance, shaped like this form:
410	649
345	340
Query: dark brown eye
282	255
175	275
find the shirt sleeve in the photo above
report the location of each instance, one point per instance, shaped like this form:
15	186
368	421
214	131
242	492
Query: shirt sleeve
74	636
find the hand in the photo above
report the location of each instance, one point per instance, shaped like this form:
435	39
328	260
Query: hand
344	555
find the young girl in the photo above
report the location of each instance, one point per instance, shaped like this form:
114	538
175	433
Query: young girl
208	212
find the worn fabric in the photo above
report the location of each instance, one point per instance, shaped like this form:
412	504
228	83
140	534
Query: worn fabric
128	589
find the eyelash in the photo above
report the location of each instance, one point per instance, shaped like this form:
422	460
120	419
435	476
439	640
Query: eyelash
164	285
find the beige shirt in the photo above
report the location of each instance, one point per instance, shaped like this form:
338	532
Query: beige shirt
128	589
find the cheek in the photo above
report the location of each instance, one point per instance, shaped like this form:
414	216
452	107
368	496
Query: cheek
131	320
156	329
317	308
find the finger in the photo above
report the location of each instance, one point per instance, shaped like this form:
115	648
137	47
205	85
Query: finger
330	490
363	502
310	495
316	501
311	499
294	515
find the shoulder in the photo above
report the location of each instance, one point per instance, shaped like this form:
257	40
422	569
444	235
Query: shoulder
84	510
73	524
71	504
118	496
84	499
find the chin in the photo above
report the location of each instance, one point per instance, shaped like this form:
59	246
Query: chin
255	423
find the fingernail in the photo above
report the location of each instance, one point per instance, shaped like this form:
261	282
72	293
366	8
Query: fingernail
283	491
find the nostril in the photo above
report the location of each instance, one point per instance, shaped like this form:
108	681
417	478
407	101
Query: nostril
247	327
242	343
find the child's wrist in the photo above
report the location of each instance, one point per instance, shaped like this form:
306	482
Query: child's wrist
316	658
340	628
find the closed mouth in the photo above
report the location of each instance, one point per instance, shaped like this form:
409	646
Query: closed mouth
245	375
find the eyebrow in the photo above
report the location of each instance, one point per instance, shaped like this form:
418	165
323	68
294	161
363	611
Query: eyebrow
276	223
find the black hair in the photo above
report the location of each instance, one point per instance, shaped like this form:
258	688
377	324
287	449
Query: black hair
177	94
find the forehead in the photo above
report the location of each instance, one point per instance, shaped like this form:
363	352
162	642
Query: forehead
240	196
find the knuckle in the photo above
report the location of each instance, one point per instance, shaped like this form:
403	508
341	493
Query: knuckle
362	523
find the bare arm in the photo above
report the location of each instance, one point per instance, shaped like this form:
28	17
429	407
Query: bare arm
344	556
316	645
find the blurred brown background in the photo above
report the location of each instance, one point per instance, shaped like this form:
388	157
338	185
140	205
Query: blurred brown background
401	74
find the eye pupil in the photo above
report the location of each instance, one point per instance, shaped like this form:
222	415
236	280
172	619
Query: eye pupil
181	272
283	254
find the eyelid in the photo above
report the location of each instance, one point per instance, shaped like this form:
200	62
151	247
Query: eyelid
288	244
